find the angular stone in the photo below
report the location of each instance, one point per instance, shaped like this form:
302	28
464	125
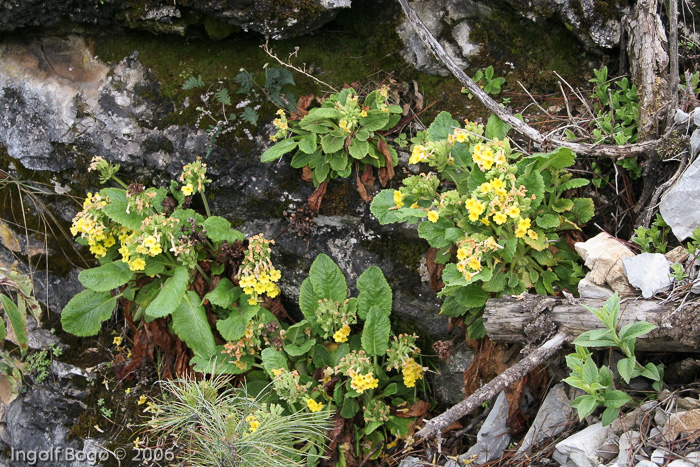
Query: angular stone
589	289
411	461
649	272
581	447
687	422
679	206
448	384
493	437
603	256
658	457
645	463
552	418
628	444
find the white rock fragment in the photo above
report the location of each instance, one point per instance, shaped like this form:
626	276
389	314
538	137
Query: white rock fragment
628	443
603	255
588	289
679	207
649	272
580	449
658	456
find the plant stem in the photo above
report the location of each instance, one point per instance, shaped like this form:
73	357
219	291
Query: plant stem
204	275
206	205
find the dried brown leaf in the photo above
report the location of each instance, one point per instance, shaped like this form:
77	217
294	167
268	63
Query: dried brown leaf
317	196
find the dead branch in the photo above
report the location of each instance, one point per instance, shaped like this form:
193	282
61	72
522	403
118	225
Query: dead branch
608	151
493	387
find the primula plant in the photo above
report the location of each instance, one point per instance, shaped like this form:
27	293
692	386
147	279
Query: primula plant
341	357
152	248
341	134
493	216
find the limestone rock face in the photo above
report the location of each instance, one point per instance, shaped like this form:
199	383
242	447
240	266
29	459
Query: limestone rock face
679	206
274	18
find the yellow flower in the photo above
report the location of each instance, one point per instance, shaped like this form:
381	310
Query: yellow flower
398	198
499	218
280	112
252	301
474	263
341	335
98	250
412	372
142	400
137	442
524	224
313	405
109	241
491	243
187	189
363	113
496	183
513	211
500	158
433	216
275	275
462	254
532	234
344	125
137	264
253	423
117	340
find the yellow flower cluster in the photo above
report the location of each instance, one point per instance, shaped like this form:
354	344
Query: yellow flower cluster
412	372
92	225
313	405
341	335
131	244
419	154
524	229
470	253
282	126
253	423
360	383
433	216
194	177
458	136
257	275
485	156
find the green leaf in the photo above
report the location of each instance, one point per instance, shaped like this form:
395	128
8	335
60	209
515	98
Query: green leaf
296	341
358	149
497	283
509	250
472	295
390	390
496	128
219	230
220	363
327	279
338	161
652	372
442	126
371	426
233	327
117	207
375	120
250	115
574	183
170	295
224	294
384	208
548	221
583	210
300	159
634	330
452	277
308	144
107	277
610	414
155	265
590	371
273	360
191	325
452	308
585	405
350	408
3	331
563	205
399	426
616	398
17	317
376	332
626	367
321	113
278	150
476	330
84	313
331	144
374	290
534	183
435	232
308	301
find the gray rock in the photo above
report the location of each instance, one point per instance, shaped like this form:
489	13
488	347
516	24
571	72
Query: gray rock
679	207
628	444
552	417
649	272
448	383
580	448
589	289
276	19
411	461
493	437
645	463
681	463
680	117
695	142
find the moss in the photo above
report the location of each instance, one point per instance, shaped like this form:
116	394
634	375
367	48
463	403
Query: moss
408	253
217	29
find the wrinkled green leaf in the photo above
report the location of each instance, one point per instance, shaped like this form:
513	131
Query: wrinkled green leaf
84	313
191	325
374	290
170	295
376	332
106	277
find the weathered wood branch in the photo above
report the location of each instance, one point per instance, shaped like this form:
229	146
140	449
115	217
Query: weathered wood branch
493	387
603	150
510	320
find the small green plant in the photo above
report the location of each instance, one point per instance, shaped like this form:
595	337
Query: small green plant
104	410
653	239
217	102
598	382
219	425
491	214
692	86
152	248
341	134
485	80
